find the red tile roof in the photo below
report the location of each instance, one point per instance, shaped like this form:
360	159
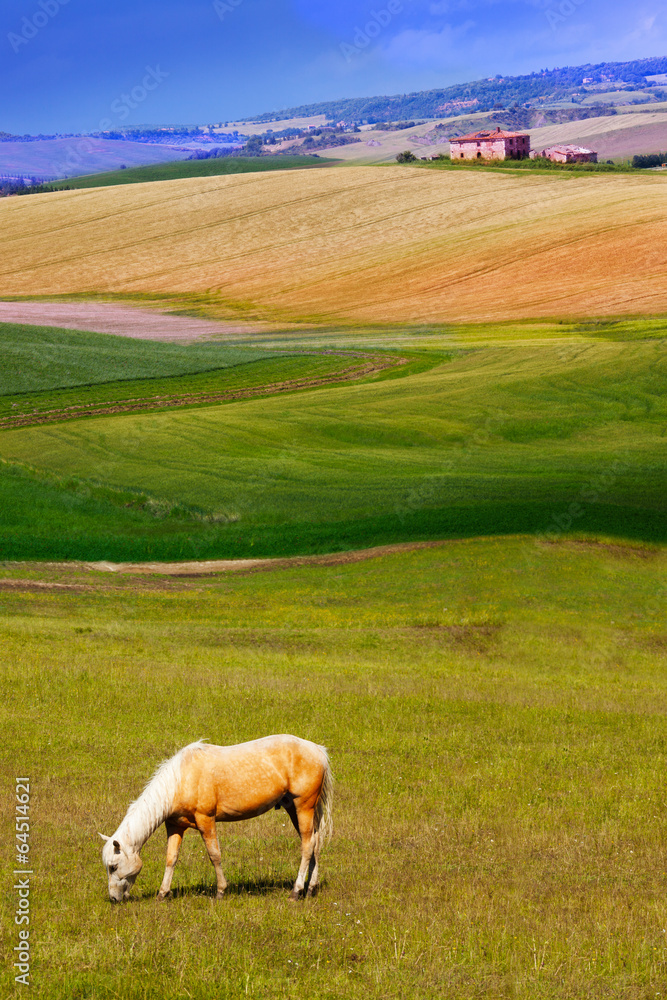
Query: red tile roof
496	134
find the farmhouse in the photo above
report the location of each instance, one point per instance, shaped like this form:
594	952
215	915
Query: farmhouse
567	154
498	145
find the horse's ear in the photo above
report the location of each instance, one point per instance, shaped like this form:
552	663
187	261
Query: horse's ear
116	847
102	836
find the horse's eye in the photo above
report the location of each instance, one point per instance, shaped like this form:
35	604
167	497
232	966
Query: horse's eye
112	869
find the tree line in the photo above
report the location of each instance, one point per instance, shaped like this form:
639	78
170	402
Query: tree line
644	160
542	87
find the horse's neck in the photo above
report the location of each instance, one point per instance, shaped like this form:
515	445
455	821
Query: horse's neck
145	815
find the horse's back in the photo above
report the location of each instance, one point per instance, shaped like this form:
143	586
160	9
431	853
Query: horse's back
249	778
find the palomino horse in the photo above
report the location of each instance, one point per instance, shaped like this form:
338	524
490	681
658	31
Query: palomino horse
202	784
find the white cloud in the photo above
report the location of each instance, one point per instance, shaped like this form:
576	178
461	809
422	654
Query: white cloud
424	46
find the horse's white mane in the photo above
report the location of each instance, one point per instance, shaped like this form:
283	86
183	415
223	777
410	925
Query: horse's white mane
155	803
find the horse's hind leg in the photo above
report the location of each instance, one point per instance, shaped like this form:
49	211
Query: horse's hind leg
314	868
174	841
303	820
206	826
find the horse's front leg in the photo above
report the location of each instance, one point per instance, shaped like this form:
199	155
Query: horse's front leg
174	841
206	826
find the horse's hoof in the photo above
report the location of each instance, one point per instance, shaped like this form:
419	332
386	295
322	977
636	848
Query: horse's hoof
312	892
220	894
161	896
294	896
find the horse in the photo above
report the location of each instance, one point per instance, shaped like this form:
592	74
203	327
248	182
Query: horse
203	784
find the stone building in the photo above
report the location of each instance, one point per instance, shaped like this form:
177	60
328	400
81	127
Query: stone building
567	154
497	145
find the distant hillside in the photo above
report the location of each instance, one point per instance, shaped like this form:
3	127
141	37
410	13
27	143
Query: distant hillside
526	118
49	158
544	87
190	168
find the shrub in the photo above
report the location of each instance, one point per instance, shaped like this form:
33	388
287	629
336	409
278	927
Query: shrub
649	160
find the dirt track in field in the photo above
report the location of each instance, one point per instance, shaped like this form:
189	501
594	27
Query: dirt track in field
368	366
195	568
213	567
123	321
142	324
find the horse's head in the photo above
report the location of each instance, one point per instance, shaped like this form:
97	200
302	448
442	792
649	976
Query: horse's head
123	864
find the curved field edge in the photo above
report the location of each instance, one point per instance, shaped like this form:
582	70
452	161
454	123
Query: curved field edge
35	358
45	575
516	435
178	169
238	381
504	439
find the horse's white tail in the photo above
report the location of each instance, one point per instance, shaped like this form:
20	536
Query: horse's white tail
324	807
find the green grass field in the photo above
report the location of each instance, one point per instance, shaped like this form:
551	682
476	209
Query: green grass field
251	375
494	706
540	433
496	715
34	359
536	166
191	168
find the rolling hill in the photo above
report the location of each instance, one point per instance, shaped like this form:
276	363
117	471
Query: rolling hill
394	244
51	158
542	87
617	136
620	136
193	168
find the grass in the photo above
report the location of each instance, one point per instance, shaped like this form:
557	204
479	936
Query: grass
189	168
520	434
34	359
495	711
369	244
182	390
537	165
494	706
258	379
65	373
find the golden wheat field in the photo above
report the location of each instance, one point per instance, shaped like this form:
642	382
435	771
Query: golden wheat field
379	244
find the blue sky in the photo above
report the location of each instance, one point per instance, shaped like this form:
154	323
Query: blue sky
64	66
